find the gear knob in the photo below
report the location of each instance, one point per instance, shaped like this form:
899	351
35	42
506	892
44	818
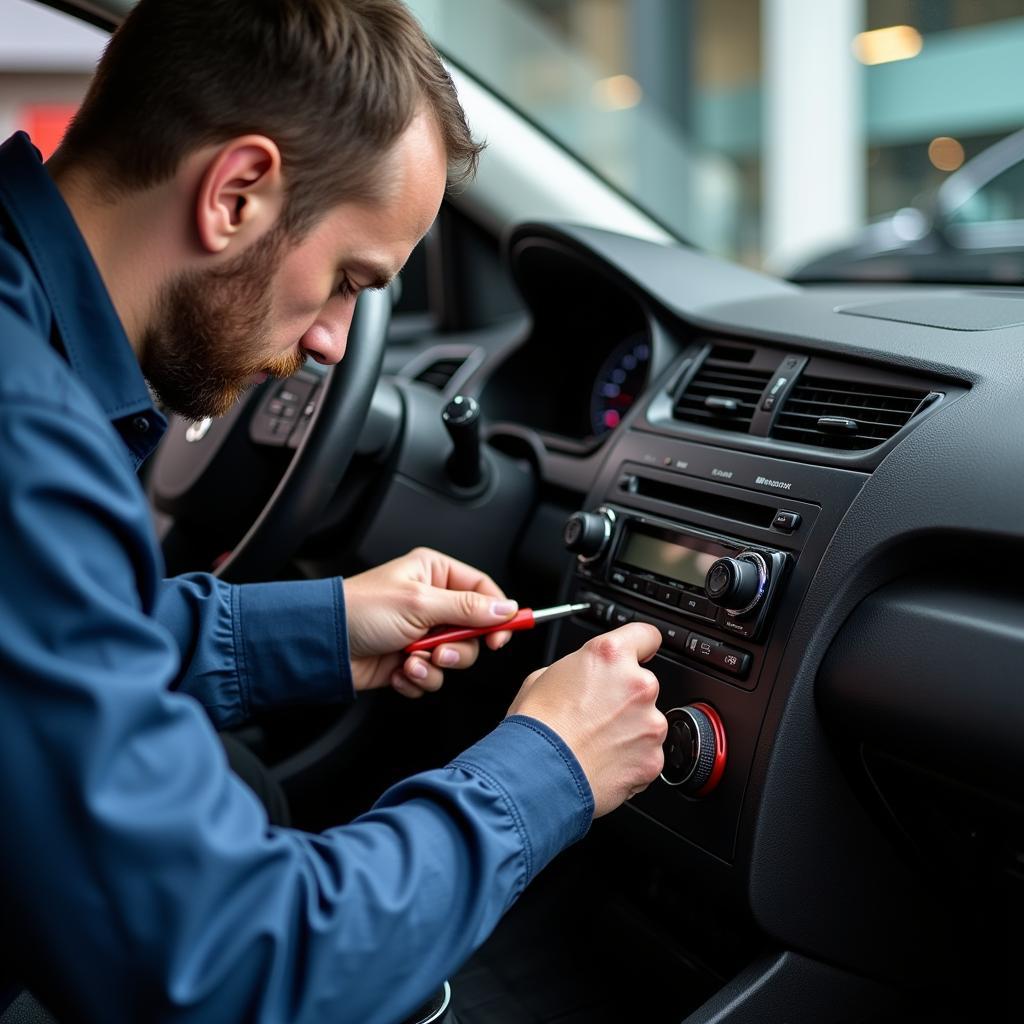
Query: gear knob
461	418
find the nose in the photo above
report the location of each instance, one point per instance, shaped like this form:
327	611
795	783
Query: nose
326	340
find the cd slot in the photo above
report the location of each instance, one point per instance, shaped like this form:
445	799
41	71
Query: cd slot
701	501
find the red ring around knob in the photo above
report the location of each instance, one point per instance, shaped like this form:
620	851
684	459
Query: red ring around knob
718	768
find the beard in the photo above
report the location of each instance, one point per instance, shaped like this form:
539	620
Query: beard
209	337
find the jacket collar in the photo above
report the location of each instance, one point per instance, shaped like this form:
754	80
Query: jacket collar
94	341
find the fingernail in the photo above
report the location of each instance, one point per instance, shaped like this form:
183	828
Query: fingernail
417	669
448	657
503	609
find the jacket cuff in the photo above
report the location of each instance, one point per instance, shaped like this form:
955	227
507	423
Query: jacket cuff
548	795
291	643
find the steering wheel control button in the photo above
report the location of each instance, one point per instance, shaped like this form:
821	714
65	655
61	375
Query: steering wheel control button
787	521
695	749
737	584
278	413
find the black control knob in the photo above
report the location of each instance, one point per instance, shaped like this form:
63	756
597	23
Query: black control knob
695	749
461	418
737	584
587	533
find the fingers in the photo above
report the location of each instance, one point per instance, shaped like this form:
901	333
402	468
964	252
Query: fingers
451	574
638	638
435	606
461	655
424	672
495	641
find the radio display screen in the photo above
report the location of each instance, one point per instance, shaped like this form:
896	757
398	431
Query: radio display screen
678	559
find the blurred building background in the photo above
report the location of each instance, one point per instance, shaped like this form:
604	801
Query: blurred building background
761	129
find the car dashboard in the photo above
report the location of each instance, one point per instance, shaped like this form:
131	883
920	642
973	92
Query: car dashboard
846	715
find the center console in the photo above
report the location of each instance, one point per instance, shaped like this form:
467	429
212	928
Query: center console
715	548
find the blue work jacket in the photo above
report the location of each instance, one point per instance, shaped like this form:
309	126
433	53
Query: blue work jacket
139	878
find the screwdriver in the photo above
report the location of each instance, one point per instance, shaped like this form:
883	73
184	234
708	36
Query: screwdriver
525	618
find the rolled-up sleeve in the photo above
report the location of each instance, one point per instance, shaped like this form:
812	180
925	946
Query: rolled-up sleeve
140	876
257	645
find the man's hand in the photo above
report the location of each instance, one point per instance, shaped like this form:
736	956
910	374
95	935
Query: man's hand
398	602
600	700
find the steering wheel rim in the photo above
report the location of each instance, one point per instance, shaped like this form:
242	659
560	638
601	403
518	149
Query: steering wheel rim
324	454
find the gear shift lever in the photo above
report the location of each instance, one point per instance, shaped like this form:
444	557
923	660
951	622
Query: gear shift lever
461	418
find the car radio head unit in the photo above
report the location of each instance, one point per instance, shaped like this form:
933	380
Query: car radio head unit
670	555
679	568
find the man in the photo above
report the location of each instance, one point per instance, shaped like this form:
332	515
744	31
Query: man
238	173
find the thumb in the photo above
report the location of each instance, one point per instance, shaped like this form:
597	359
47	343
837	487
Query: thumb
466	608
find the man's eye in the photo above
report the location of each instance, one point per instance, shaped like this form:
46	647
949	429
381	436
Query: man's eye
345	288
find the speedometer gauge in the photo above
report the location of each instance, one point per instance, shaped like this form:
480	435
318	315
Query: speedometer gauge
619	381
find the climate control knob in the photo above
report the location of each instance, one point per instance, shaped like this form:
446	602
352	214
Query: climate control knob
587	533
695	749
737	584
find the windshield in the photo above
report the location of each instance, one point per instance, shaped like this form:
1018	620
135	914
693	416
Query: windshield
769	131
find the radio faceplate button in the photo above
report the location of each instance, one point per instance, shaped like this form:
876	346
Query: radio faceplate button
650	588
635	583
667	595
600	607
696	605
785	520
620	616
674	637
730	659
618	577
701	647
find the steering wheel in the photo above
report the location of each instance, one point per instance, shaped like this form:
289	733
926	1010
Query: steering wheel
192	456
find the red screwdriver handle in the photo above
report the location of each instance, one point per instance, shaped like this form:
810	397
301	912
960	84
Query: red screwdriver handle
523	619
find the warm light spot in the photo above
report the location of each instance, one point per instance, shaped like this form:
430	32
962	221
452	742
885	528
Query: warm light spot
620	92
945	153
612	419
883	45
46	124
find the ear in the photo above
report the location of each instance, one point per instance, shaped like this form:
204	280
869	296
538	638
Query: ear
241	193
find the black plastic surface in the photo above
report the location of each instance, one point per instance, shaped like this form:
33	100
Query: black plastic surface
819	873
933	670
791	989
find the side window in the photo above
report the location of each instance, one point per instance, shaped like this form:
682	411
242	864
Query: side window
46	61
1001	199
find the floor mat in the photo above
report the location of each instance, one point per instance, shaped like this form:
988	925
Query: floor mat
573	952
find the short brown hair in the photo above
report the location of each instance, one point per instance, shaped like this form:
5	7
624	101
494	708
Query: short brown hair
333	82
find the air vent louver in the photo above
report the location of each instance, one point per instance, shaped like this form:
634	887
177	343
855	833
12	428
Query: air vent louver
440	372
722	395
845	414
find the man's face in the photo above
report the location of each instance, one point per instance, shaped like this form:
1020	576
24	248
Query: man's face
216	332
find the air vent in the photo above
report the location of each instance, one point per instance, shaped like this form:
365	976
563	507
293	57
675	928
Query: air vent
722	395
845	414
440	372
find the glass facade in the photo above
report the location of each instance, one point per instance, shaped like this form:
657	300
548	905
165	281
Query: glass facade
762	130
